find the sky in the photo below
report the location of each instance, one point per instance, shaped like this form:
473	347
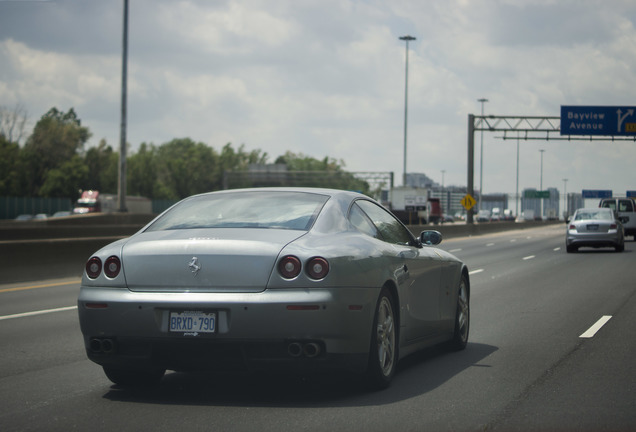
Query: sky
326	78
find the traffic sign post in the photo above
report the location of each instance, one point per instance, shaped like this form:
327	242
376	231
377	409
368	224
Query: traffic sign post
468	202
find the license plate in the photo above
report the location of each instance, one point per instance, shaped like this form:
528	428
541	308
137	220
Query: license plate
592	227
193	321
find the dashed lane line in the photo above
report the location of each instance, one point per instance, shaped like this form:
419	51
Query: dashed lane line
40	312
596	327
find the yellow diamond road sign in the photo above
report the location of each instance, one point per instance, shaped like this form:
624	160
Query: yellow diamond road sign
468	202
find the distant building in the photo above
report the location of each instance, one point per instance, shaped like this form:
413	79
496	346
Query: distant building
573	201
492	201
450	198
550	204
420	181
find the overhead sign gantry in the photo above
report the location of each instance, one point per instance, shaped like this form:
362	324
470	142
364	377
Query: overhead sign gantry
576	123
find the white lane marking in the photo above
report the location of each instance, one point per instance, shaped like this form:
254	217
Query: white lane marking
40	312
596	327
455	250
475	271
556	249
490	244
513	240
529	257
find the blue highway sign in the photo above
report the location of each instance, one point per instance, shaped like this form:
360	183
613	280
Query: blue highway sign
591	193
598	120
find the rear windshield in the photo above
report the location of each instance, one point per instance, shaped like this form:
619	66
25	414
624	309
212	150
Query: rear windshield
600	214
624	205
253	209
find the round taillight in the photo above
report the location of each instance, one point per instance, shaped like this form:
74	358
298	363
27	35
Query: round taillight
289	267
317	268
112	266
93	267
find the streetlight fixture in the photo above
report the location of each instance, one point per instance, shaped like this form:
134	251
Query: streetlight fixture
481	163
406	39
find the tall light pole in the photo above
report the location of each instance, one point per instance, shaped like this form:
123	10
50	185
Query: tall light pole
121	183
443	200
481	163
566	211
406	38
517	198
541	182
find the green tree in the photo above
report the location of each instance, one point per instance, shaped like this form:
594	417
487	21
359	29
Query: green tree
12	123
63	181
56	138
328	172
10	173
142	173
229	159
103	168
186	168
301	162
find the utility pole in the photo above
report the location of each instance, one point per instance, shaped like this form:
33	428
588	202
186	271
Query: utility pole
121	183
541	182
406	38
566	210
481	163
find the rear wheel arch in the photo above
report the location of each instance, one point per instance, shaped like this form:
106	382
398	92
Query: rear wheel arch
466	275
392	288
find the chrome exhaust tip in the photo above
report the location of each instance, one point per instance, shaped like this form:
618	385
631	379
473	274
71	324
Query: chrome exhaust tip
294	349
311	350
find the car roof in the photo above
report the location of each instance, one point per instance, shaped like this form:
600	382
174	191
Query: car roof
322	191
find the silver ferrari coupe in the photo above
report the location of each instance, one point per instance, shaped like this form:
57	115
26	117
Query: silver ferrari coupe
262	279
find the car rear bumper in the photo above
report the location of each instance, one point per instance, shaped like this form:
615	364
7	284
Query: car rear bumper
610	239
275	329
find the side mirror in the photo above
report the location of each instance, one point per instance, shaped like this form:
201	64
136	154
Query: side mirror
430	238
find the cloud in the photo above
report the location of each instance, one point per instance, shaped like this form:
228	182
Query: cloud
326	78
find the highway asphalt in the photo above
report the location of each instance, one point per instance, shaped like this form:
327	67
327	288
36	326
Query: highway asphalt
526	366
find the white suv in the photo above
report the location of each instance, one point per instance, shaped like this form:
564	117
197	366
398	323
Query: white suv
626	210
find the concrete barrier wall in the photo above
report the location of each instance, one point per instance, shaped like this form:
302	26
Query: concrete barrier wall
46	251
31	260
462	230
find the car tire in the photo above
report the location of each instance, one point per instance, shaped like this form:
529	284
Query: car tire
462	316
383	352
620	247
571	249
134	377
